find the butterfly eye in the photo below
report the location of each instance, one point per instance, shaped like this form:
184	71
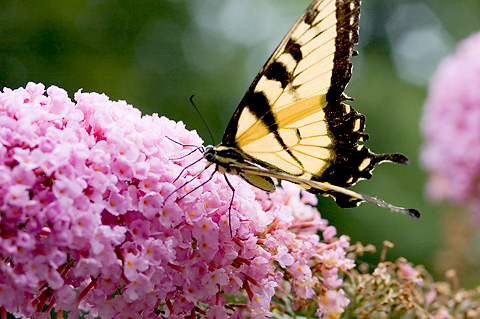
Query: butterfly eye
210	154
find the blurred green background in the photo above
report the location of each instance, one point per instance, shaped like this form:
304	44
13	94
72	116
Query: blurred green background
155	54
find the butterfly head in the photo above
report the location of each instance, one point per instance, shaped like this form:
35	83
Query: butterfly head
222	155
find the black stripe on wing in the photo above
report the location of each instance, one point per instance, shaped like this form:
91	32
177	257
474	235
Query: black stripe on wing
293	49
348	15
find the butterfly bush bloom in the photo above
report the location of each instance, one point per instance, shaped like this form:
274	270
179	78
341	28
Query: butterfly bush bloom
94	219
450	125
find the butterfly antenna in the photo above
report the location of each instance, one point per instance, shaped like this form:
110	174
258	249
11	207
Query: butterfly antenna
203	119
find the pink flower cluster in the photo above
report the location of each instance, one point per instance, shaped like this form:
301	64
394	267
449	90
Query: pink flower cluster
87	224
450	125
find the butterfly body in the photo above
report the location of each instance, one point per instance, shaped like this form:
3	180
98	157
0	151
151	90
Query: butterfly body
230	160
293	122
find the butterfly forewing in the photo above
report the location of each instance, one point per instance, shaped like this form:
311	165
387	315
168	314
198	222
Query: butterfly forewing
293	121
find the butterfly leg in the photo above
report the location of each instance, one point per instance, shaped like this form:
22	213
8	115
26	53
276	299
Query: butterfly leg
189	181
201	185
185	168
231	203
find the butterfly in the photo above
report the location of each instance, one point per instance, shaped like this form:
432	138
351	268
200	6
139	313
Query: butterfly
293	123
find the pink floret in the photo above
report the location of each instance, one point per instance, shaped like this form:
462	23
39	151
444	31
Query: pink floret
450	125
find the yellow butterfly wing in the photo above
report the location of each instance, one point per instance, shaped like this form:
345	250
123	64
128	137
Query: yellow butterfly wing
293	120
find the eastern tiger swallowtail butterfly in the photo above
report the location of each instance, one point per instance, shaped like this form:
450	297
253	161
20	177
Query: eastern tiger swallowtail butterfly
292	124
